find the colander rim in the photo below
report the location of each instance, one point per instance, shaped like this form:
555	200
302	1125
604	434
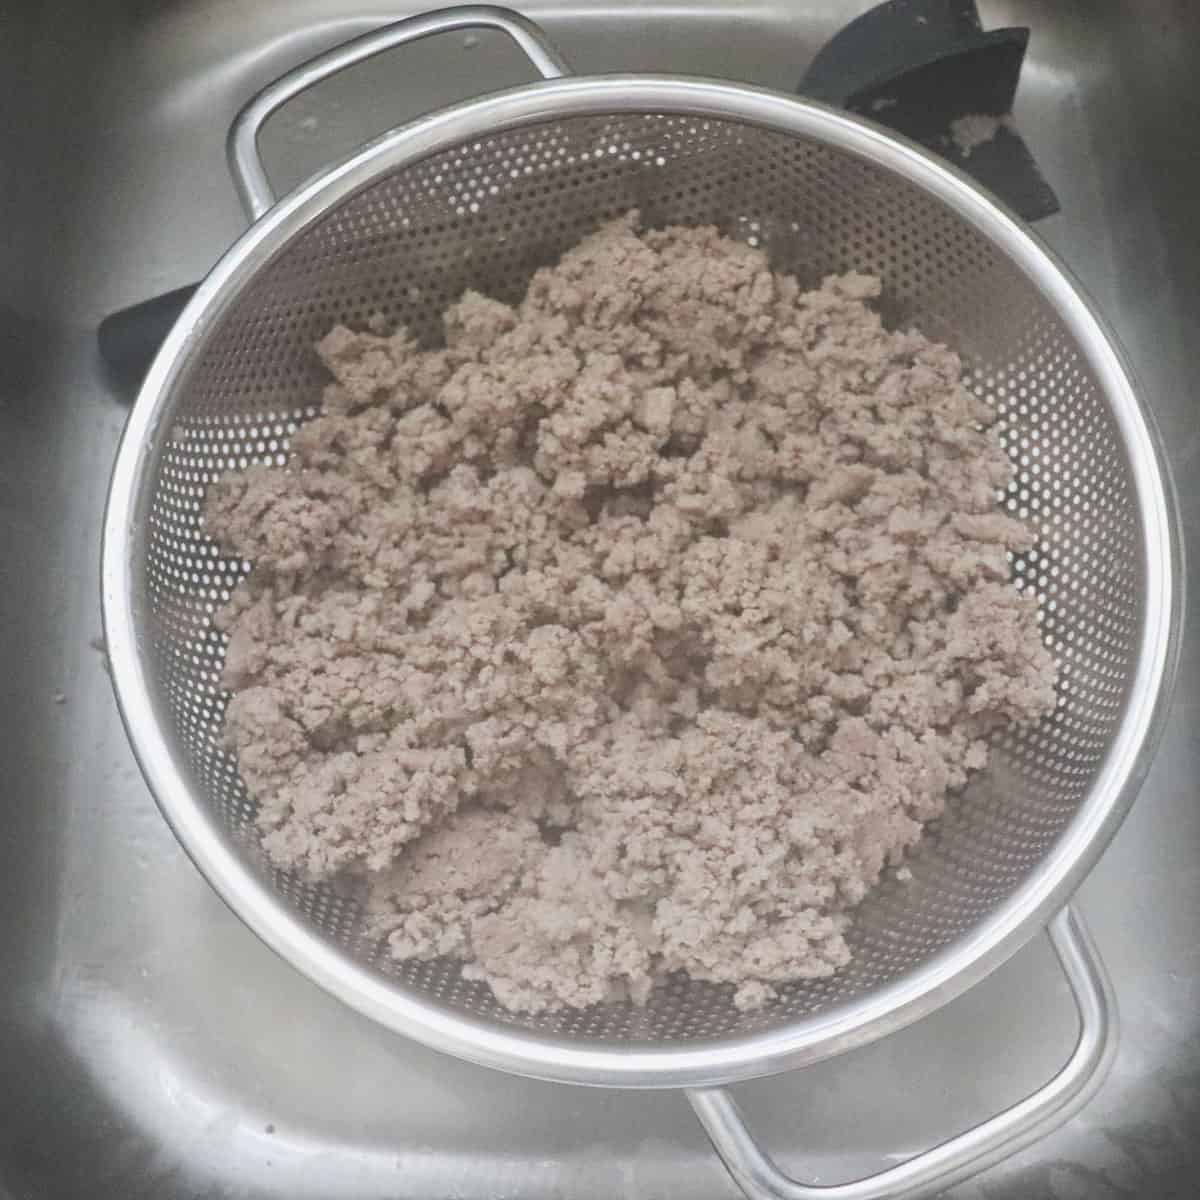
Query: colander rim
920	990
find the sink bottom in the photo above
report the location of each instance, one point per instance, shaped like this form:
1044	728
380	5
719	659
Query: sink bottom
152	1047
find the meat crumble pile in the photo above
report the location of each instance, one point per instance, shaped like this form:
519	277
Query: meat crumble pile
635	630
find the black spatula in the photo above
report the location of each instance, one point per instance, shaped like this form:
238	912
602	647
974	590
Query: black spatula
928	70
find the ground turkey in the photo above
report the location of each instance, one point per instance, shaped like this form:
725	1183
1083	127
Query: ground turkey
638	629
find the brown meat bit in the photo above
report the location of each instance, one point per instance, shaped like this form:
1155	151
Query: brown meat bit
637	630
427	903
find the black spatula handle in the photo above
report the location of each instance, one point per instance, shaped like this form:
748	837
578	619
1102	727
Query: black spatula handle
130	338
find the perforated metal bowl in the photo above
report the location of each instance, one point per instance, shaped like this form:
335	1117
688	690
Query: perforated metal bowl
479	196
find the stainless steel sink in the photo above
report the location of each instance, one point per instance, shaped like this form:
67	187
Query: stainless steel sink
149	1045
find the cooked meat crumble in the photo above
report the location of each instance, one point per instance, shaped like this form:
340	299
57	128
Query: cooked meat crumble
635	630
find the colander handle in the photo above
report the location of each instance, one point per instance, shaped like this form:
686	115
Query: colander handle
927	1174
245	163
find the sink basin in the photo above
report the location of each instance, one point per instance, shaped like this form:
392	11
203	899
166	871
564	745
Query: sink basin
150	1046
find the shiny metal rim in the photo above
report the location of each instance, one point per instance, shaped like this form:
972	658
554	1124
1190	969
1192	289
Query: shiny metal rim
855	1023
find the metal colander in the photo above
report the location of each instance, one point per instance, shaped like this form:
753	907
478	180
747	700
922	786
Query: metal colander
481	195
